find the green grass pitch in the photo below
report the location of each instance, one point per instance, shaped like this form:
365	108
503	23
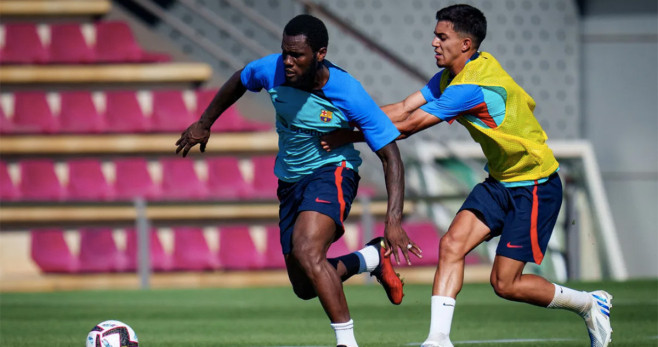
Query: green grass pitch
275	317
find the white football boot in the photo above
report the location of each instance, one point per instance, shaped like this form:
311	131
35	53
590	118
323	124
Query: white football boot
441	341
597	319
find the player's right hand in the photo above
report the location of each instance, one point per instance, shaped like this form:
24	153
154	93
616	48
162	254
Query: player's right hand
196	133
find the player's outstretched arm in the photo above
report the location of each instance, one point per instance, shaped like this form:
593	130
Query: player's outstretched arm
396	238
199	131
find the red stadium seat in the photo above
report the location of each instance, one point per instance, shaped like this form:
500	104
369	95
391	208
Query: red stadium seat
265	183
169	112
99	252
50	251
6	125
32	113
123	113
8	190
274	258
115	43
180	181
79	115
133	180
237	250
68	46
87	182
225	180
191	251
39	181
23	45
160	260
231	120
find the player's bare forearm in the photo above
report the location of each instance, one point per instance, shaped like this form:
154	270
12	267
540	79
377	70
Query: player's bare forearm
227	95
340	137
396	237
199	131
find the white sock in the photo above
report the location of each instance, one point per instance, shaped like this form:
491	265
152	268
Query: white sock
369	256
441	319
572	300
345	333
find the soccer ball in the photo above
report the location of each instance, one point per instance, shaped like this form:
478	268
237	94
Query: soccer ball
112	333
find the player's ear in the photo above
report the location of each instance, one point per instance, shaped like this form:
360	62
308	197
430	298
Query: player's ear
320	54
467	43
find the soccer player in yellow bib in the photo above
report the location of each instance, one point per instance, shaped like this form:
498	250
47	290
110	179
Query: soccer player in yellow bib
520	199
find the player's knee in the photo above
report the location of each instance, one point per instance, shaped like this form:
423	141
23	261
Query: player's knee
309	260
304	292
502	288
450	247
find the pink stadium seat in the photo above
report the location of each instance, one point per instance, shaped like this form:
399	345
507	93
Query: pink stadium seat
123	113
169	112
160	260
115	43
274	258
237	250
79	115
225	180
231	119
265	183
23	45
191	251
427	236
6	125
39	181
68	46
32	113
8	190
180	181
133	180
338	248
50	251
99	252
87	182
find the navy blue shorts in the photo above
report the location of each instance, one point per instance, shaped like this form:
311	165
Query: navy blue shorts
329	190
524	217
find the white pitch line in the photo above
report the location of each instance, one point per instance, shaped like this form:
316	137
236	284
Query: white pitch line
472	342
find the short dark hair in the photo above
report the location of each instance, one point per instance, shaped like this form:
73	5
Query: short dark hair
311	27
465	19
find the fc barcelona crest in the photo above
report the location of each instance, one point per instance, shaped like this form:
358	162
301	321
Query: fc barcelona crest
325	116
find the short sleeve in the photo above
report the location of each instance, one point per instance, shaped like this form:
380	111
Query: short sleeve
265	72
432	90
455	100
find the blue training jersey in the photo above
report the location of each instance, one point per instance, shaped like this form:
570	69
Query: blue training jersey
303	117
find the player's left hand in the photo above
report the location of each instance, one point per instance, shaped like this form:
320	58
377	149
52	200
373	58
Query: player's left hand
336	139
397	241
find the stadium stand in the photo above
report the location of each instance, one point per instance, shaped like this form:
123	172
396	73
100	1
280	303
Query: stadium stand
237	250
68	45
159	259
273	255
191	251
79	114
22	45
99	251
180	180
32	114
39	181
170	114
225	181
87	181
115	43
133	180
54	7
50	251
124	114
264	183
8	190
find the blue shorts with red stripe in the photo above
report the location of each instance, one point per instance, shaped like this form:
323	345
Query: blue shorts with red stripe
329	190
524	217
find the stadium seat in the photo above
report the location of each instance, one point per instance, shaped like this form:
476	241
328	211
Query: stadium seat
87	182
180	181
265	183
133	180
68	45
426	235
8	190
237	250
273	255
169	112
6	125
39	181
231	119
115	43
99	251
50	252
338	248
225	180
78	114
191	251
123	113
32	113
22	45
160	260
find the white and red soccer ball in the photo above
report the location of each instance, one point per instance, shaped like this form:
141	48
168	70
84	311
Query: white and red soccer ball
112	333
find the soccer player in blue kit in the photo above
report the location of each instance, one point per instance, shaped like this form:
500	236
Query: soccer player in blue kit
313	97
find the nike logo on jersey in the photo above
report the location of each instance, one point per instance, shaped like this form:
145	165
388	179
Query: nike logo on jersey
509	245
322	201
